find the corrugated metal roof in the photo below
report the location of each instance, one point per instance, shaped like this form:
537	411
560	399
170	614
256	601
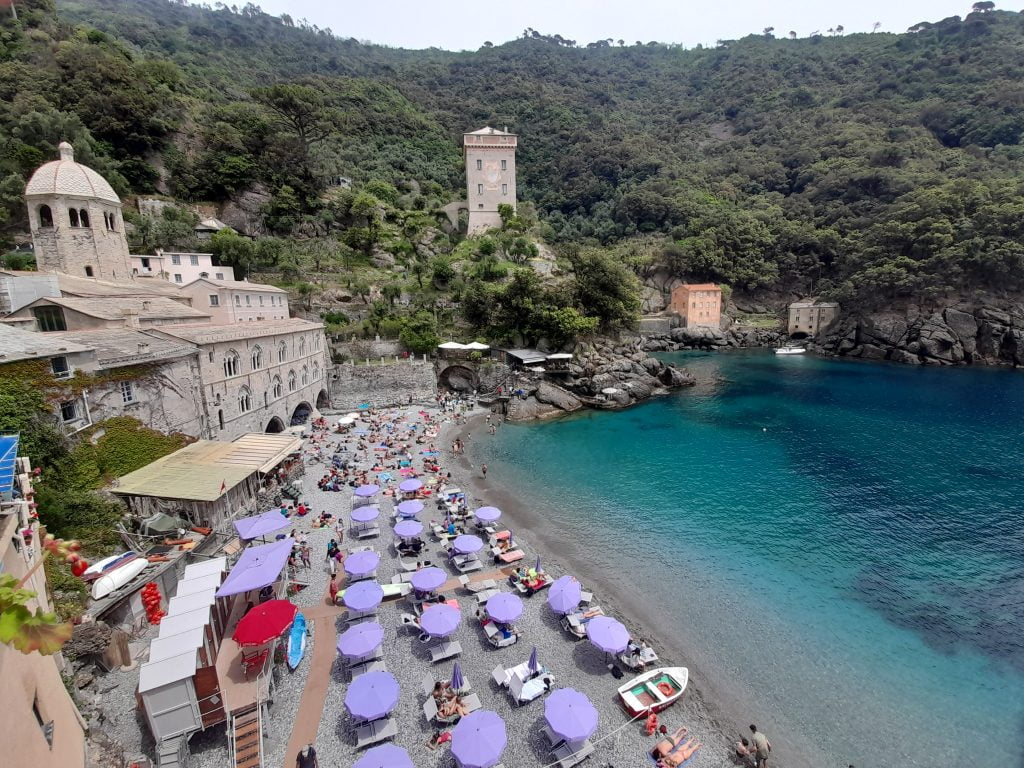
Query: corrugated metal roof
156	674
174	645
191	602
200	584
181	622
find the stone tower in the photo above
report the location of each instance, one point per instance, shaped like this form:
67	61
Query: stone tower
490	175
76	223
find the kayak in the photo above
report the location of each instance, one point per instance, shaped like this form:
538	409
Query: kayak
297	641
107	564
117	578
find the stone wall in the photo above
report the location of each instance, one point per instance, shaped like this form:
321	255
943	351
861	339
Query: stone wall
382	385
652	326
363	349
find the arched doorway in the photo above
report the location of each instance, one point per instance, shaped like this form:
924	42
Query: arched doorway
323	401
799	336
458	377
301	413
275	425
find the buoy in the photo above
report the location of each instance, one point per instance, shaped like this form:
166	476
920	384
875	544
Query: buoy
665	688
652	724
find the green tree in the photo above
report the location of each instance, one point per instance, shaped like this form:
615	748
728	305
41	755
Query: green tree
419	333
605	289
234	250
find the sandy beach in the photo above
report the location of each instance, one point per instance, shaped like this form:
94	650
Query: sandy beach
714	714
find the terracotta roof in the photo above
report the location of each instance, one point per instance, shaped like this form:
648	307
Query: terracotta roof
66	177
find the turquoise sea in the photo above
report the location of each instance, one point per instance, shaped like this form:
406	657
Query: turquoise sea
839	545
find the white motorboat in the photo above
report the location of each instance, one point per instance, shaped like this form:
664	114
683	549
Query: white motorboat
655	690
114	580
107	564
787	350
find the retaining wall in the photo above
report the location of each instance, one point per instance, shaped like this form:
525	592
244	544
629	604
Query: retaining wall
393	383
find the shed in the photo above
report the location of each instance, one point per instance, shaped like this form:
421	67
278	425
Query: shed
168	693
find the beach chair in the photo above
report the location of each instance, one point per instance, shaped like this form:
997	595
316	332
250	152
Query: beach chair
367	533
499	639
375	732
477	586
407	563
472	702
586	598
512	556
373	665
525	691
430	712
445	650
500	675
487	594
568	757
427	683
553	738
469	566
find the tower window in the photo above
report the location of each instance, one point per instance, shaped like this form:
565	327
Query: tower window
88	271
127	392
479	189
504	189
69	411
504	165
479	165
73	217
45	216
83	217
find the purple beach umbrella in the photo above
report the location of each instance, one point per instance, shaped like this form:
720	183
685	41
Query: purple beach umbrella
533	665
458	681
570	714
536	566
365	514
366	491
487	514
479	739
384	756
408	529
410	508
504	607
371	696
440	620
608	634
363	596
467	544
360	640
361	563
565	595
428	579
410	486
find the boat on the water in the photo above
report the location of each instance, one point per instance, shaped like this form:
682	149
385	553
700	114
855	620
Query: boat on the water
654	690
107	564
789	350
297	641
117	578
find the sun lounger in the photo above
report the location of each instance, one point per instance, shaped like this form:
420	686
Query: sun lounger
512	556
374	665
407	563
521	586
586	597
525	691
553	738
371	656
500	675
469	565
471	702
477	586
401	578
497	637
567	756
445	650
576	625
430	712
375	732
367	533
487	594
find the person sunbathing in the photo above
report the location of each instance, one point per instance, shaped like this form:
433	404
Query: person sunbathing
668	744
442	691
680	754
451	708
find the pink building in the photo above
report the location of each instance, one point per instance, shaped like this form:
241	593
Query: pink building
698	304
237	301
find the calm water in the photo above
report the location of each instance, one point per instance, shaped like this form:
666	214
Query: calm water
846	542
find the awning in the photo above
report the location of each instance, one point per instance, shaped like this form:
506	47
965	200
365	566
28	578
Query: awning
260	525
258	567
476	345
452	345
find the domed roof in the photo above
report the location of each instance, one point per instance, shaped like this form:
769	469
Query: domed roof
66	177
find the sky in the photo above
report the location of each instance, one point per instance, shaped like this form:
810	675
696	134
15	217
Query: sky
465	24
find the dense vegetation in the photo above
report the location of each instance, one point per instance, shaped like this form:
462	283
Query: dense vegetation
865	166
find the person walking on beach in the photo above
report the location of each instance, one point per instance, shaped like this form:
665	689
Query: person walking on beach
306	758
762	747
483	470
333	588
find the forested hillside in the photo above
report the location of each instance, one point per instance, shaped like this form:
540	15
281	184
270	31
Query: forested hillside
865	166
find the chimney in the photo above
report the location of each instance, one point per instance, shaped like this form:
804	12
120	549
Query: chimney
131	318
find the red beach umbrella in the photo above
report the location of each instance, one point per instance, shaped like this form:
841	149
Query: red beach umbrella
264	622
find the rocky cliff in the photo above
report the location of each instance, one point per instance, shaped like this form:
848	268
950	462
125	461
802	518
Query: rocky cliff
711	338
981	333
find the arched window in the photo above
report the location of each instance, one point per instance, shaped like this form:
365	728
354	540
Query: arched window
291	381
282	352
305	375
257	358
83	217
244	400
204	274
45	216
113	221
231	365
302	345
275	387
73	217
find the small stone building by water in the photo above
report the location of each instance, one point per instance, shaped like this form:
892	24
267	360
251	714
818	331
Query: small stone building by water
810	317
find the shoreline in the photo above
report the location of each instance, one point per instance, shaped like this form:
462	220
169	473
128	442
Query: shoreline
705	707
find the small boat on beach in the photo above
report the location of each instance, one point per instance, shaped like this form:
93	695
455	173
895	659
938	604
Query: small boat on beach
297	641
107	564
789	350
117	578
654	691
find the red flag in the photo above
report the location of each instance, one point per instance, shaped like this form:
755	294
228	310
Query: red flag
223	483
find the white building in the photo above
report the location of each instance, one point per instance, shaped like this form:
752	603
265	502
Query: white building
237	301
180	268
258	377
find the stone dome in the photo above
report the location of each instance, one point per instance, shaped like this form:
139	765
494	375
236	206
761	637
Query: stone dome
66	177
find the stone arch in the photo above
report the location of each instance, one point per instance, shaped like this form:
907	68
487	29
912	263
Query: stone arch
45	216
798	335
461	378
73	217
275	425
301	413
83	217
323	400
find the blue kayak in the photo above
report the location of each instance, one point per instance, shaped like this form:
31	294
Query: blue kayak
297	641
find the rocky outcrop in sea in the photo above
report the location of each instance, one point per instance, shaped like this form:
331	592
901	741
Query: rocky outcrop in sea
711	338
964	334
604	374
